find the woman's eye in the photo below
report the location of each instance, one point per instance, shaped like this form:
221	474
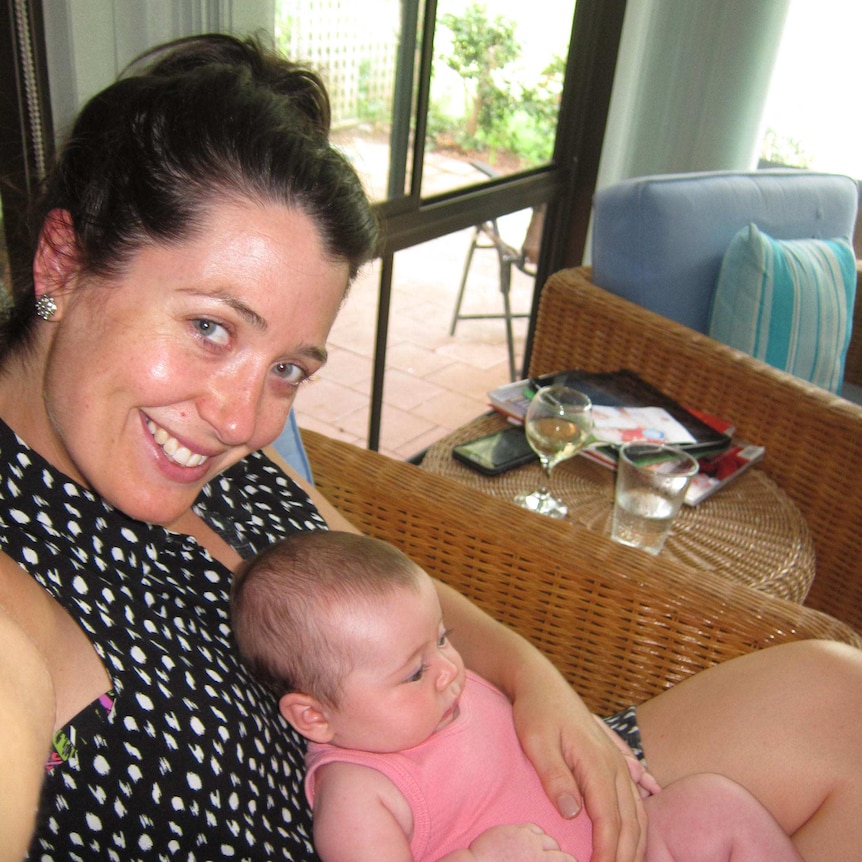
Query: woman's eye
290	373
212	331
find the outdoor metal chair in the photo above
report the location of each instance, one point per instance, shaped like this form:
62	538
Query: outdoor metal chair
487	236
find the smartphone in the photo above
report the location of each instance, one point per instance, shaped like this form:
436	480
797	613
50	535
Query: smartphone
496	453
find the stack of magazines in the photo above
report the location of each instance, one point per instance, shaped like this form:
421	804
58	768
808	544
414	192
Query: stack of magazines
627	408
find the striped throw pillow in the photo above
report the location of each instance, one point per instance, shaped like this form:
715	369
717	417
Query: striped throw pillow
788	303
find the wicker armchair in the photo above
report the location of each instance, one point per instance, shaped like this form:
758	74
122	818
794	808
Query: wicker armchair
621	626
813	439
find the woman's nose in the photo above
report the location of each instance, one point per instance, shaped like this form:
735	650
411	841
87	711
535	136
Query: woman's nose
231	407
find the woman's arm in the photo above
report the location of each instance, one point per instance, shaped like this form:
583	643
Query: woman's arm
26	725
575	759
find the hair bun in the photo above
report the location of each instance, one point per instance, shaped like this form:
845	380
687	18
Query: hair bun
266	68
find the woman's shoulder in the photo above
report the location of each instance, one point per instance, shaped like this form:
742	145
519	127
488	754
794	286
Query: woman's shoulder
255	503
26	623
59	642
23	599
333	518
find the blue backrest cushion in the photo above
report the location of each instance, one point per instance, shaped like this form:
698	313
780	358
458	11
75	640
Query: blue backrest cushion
659	240
289	445
788	303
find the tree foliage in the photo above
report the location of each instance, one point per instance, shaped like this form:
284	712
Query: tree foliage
502	111
482	51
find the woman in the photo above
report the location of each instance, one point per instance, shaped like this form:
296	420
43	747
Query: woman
192	249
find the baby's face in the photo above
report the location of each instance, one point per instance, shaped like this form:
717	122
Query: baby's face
408	678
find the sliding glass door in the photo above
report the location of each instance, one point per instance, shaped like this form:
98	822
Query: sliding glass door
454	112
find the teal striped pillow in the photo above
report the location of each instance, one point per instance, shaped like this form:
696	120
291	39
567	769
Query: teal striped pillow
787	302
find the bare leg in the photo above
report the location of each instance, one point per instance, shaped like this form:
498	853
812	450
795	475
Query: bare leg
709	818
781	722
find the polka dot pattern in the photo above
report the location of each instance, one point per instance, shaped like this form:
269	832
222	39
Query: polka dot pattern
191	760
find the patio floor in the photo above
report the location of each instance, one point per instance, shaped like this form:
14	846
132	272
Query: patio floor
434	381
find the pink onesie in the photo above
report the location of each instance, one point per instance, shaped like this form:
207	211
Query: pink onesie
466	778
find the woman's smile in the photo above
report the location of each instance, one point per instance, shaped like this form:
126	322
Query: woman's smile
173	449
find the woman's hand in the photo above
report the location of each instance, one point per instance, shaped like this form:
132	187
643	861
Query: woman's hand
580	765
645	781
577	762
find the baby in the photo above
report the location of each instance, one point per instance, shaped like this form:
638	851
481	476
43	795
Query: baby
410	755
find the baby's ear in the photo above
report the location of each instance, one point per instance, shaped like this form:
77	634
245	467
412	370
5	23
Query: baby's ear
307	715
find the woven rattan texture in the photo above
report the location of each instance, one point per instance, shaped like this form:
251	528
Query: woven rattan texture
813	439
749	531
621	626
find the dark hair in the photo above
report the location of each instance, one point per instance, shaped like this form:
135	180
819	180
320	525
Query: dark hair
190	122
280	601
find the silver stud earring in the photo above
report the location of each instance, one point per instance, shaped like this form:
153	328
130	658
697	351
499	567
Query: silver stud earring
46	307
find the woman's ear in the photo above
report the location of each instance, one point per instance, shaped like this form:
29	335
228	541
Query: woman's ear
307	715
57	260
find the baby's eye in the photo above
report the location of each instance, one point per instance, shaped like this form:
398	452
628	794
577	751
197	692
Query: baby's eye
418	675
290	373
444	637
212	331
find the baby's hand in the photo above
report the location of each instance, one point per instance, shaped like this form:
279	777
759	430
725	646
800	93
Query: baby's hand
524	842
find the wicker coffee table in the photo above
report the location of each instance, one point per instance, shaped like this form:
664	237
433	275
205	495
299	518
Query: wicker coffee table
749	530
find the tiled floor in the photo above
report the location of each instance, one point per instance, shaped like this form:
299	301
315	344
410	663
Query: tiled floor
434	382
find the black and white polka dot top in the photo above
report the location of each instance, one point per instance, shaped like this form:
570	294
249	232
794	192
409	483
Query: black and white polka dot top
187	757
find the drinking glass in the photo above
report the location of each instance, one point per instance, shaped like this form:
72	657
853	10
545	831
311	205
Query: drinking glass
558	424
652	479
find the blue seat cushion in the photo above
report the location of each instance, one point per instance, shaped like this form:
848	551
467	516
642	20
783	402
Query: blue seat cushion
288	444
788	303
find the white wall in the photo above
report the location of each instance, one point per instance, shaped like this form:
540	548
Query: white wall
90	41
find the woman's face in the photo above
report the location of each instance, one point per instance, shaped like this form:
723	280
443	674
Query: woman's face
158	380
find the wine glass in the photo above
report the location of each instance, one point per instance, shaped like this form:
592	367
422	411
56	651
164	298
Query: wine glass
558	424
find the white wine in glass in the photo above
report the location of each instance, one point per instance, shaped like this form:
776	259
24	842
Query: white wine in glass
558	425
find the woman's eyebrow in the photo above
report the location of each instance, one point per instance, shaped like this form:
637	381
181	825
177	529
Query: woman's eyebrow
314	352
234	302
242	308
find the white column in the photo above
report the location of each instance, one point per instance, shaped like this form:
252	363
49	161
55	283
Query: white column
690	87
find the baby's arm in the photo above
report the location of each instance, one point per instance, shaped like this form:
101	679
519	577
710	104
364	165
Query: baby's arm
360	815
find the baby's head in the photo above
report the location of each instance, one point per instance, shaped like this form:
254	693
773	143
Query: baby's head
287	602
347	632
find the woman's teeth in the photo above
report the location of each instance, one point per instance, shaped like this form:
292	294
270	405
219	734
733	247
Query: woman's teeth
173	449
